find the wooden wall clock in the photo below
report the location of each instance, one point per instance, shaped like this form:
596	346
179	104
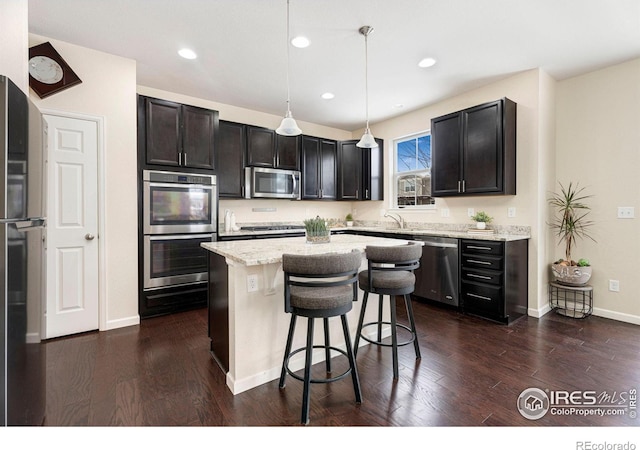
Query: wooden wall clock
49	73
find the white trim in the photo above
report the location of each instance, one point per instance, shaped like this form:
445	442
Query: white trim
599	312
120	323
393	160
102	276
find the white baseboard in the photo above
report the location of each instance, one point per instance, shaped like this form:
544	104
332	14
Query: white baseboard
121	323
600	312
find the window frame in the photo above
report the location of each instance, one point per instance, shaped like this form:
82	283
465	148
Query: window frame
395	175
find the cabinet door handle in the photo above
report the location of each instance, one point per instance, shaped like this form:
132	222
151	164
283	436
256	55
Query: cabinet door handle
366	193
475	261
179	158
459	186
475	247
464	187
482	277
481	297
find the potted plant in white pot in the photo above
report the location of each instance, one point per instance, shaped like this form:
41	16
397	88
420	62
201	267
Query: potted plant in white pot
570	223
349	219
481	219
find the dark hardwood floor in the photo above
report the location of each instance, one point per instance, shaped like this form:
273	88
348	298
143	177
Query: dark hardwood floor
472	371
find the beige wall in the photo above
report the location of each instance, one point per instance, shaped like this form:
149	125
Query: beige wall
108	91
598	146
14	50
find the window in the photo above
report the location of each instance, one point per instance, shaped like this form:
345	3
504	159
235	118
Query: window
412	171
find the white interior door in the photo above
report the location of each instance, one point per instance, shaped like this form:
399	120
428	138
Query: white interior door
72	226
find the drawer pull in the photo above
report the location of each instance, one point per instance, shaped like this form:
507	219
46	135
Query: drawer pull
481	297
475	247
483	277
474	261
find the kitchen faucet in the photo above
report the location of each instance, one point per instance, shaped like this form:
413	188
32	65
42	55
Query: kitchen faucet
399	219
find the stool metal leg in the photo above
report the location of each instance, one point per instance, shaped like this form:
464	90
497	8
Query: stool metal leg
307	374
327	349
352	359
394	335
380	302
412	322
360	322
287	350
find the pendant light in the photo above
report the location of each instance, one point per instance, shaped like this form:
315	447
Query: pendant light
367	140
288	126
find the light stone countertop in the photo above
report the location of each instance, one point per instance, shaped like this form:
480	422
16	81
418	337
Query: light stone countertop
497	235
458	232
256	252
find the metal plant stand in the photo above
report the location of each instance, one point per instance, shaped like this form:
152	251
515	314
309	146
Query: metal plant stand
571	301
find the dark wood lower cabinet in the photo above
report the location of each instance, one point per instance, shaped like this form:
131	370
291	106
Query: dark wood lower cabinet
165	301
494	279
219	310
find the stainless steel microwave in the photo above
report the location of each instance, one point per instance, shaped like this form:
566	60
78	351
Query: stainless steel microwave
262	182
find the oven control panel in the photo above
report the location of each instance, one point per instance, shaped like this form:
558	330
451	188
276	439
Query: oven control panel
177	177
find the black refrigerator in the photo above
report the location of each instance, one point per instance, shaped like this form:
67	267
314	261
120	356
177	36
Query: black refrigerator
22	272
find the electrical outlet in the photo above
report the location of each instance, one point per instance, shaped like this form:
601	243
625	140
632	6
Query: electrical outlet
511	212
626	212
614	285
470	212
444	212
252	283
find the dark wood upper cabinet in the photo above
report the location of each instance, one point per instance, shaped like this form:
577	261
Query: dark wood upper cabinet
319	168
265	148
474	151
260	146
231	153
198	134
178	135
360	171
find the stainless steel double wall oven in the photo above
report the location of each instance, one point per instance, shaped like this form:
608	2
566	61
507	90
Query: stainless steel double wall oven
179	213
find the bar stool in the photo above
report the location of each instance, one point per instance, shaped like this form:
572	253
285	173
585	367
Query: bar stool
390	272
320	286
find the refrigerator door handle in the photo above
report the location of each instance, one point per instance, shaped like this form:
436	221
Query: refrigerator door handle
26	224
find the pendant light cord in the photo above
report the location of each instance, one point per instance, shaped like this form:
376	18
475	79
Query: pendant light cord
366	32
288	68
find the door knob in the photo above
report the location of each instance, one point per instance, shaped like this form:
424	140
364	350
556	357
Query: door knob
89	237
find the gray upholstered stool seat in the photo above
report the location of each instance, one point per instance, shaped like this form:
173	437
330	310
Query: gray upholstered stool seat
390	272
320	286
389	280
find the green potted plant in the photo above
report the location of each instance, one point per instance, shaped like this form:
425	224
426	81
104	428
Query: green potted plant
349	220
482	219
316	230
571	223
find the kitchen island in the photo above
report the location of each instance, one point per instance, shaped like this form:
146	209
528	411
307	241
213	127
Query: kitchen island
247	323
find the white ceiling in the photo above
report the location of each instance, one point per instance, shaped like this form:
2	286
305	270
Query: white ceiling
242	47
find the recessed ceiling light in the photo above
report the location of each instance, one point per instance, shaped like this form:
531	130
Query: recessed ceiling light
427	62
300	42
328	95
187	53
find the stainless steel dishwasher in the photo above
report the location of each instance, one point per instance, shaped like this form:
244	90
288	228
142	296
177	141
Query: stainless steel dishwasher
437	277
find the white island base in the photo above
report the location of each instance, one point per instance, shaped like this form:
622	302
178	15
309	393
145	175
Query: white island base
248	330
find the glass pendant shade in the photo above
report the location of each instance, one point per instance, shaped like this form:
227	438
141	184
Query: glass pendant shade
288	126
367	140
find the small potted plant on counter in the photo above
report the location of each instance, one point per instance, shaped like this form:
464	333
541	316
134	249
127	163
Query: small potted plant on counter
482	219
349	219
570	223
317	231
